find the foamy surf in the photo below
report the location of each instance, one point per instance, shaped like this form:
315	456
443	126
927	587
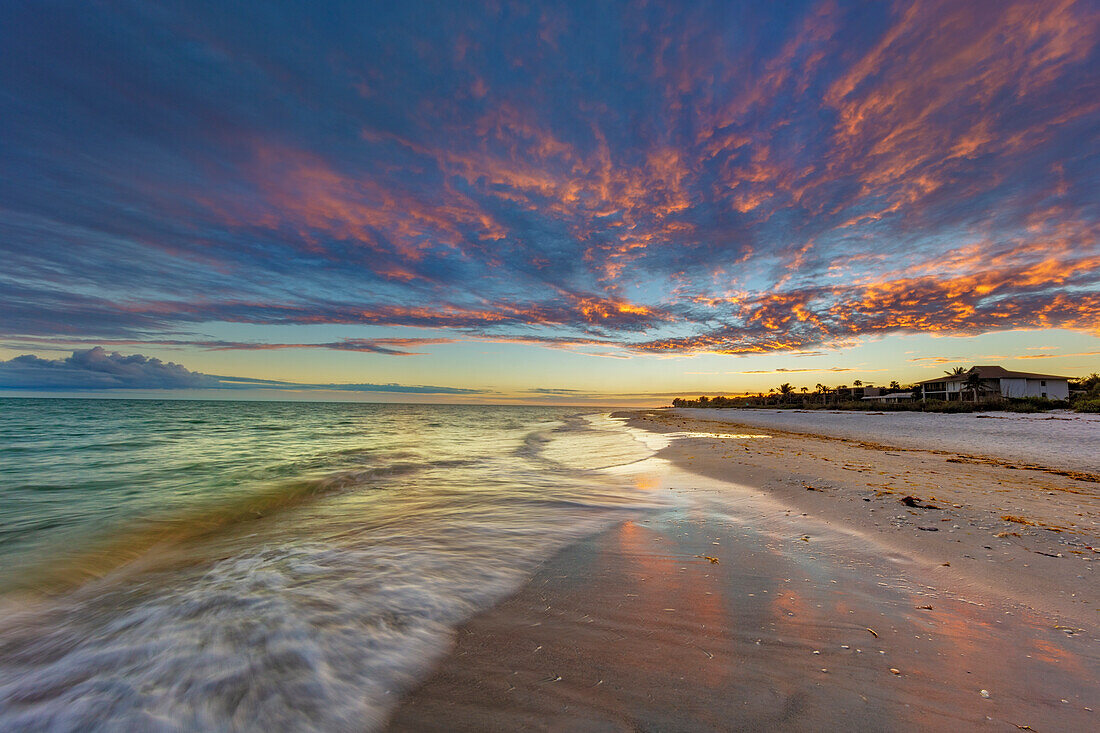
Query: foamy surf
290	601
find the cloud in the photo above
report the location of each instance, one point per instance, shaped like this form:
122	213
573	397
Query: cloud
96	369
781	370
938	359
627	179
1056	356
391	387
388	346
560	391
385	346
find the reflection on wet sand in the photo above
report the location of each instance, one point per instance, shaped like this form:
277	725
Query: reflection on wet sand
636	627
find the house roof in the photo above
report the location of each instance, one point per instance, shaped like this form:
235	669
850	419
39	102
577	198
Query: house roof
991	372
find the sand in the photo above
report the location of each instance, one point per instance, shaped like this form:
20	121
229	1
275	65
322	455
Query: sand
832	604
1042	556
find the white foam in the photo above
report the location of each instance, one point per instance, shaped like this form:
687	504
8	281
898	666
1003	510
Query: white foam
321	614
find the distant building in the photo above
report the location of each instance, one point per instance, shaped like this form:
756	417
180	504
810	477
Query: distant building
996	380
884	396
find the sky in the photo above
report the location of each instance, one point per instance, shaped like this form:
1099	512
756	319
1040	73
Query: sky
544	202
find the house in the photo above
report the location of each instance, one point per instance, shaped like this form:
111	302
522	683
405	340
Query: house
858	392
996	380
884	396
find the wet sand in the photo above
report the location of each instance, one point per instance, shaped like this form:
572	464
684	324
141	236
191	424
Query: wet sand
820	613
1029	534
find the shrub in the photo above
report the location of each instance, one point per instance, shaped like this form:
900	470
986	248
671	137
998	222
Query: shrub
1035	404
956	407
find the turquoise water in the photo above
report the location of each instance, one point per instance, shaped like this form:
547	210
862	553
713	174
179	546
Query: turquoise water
248	565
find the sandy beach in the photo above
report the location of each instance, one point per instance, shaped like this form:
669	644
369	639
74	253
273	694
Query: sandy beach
1026	533
798	582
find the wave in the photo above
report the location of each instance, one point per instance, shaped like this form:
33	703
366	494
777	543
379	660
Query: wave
532	444
278	638
585	443
61	570
308	602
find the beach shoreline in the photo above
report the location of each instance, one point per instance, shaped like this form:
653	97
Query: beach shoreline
1026	532
831	602
1062	442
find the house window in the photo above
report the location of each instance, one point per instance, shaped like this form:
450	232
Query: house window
1043	383
1044	394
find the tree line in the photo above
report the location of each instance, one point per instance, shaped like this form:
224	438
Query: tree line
786	394
976	394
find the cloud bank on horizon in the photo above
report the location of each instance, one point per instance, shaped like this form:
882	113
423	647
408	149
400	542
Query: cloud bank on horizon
96	369
721	177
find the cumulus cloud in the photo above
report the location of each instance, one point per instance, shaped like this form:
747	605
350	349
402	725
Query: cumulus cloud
98	369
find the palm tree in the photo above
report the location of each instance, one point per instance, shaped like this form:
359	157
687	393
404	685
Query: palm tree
974	383
821	389
894	386
785	390
956	372
857	383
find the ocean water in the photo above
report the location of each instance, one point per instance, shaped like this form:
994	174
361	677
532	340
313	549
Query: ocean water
272	566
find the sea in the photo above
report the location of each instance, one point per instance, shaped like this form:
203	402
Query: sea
218	565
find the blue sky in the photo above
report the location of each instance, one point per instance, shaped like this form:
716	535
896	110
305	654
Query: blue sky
516	201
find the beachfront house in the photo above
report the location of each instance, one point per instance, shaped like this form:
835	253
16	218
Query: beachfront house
994	381
882	395
890	394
